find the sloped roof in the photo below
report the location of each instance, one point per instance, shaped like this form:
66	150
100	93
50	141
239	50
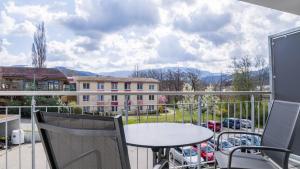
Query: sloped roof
29	72
114	79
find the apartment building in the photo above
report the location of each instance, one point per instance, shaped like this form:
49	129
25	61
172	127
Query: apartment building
22	78
116	102
29	78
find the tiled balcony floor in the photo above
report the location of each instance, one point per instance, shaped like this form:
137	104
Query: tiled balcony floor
13	158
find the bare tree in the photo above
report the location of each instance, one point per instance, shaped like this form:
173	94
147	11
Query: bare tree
194	78
262	71
39	47
242	74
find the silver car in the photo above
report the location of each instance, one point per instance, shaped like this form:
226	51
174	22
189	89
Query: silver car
245	123
185	156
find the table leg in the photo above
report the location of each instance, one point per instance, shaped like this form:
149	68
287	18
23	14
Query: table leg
160	154
157	155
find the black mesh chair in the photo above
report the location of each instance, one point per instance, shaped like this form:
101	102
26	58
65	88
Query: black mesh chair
83	141
276	141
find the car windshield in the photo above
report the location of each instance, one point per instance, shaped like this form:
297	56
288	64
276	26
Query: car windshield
249	137
244	142
226	144
189	152
207	149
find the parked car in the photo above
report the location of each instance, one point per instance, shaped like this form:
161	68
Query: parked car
239	141
245	123
232	123
224	144
256	139
185	156
214	125
212	142
207	152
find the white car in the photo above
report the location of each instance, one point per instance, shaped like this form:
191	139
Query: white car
245	123
185	156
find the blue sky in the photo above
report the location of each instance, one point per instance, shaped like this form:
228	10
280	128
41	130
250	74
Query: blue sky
108	35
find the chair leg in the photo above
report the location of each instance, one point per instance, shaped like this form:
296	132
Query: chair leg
215	164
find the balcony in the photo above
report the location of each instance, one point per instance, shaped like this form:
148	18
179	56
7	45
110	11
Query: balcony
199	111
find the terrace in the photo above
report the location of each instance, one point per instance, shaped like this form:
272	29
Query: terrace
198	111
197	107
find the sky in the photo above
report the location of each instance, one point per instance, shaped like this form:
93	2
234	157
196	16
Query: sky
111	35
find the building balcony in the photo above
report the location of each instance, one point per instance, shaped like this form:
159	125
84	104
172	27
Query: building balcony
14	156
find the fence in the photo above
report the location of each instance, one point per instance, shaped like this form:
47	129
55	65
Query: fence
209	109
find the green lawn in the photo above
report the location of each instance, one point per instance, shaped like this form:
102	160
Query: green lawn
179	117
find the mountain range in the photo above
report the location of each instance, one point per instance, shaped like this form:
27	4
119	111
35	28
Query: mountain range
205	75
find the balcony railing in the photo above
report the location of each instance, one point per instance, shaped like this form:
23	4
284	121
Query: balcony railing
200	108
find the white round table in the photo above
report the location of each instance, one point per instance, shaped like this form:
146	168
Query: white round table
158	136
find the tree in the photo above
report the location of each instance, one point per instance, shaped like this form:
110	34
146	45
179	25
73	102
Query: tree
193	77
39	47
242	74
210	102
262	71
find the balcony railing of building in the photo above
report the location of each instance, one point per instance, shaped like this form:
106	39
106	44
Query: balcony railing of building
29	86
209	109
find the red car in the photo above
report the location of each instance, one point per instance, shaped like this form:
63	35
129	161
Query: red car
207	152
214	125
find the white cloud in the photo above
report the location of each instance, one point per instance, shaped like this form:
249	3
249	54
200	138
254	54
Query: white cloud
9	26
6	23
35	13
116	35
7	59
94	17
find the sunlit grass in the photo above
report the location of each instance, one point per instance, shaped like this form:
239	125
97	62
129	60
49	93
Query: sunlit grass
180	116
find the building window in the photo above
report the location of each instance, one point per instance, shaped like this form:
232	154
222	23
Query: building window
114	86
140	108
140	86
151	87
151	97
151	107
127	97
86	85
114	108
139	97
100	98
114	98
100	86
127	86
100	109
52	85
85	98
86	109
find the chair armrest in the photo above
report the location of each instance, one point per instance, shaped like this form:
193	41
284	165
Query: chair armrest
235	132
255	148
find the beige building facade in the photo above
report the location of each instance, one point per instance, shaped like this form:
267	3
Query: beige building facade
116	102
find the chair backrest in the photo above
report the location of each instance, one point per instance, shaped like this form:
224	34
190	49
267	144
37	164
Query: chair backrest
82	141
280	129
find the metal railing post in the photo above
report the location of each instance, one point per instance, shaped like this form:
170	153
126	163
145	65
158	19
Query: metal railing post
33	103
252	117
20	159
252	114
126	109
199	110
6	138
199	123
